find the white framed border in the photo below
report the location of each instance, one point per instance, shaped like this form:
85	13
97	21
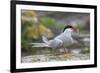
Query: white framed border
20	65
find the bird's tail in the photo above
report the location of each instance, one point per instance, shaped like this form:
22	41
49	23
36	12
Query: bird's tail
45	40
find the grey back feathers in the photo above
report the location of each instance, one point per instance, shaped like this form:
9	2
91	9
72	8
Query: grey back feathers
55	43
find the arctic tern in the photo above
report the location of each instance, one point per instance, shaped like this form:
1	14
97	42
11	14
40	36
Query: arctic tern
63	40
69	36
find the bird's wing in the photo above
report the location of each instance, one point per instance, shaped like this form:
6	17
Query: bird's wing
51	44
56	43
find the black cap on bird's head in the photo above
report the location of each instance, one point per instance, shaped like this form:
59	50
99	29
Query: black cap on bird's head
70	26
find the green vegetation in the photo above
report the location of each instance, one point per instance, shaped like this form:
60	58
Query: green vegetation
86	50
52	24
49	22
33	27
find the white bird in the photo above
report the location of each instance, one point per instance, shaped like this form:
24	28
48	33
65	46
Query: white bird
68	37
63	40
